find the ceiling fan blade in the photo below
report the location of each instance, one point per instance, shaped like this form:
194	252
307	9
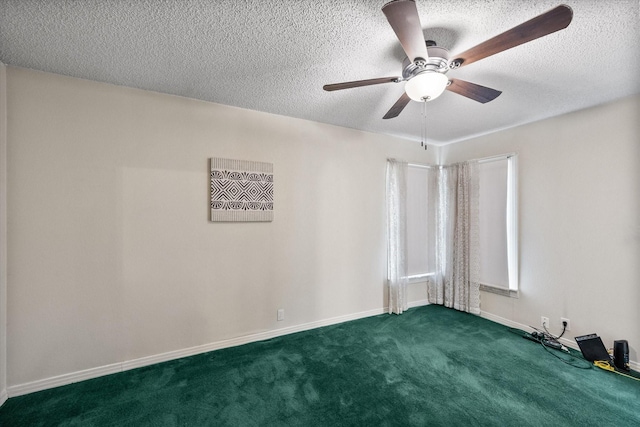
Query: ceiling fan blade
358	83
473	91
554	20
398	107
405	21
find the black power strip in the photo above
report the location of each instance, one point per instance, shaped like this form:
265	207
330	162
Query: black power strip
533	337
541	339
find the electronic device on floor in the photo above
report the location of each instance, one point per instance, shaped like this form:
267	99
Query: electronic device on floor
621	354
592	348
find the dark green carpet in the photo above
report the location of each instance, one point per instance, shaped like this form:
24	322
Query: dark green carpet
430	366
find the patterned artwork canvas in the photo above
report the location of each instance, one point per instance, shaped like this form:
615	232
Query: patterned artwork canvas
241	190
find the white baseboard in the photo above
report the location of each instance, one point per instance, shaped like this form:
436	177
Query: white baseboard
233	342
87	374
567	342
3	397
59	380
503	321
418	303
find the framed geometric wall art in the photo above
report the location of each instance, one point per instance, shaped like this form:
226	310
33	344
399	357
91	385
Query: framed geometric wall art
241	190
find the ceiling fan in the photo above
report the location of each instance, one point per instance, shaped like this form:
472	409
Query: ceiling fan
426	64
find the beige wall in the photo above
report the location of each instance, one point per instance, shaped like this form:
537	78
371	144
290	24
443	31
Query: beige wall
112	256
579	201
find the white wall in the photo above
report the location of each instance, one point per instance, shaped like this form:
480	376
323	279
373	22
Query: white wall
3	233
111	254
579	201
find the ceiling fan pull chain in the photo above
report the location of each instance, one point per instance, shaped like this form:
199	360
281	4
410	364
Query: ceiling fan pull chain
424	124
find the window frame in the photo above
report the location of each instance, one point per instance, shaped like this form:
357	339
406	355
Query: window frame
421	277
511	226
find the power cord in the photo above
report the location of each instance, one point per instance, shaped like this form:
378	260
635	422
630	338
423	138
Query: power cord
581	363
547	341
603	364
564	329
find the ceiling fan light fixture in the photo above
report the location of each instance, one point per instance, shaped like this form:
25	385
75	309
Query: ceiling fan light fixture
426	86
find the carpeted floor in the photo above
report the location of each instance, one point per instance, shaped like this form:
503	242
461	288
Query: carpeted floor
430	366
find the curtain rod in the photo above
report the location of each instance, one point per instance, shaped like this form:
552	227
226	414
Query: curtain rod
418	165
479	160
494	158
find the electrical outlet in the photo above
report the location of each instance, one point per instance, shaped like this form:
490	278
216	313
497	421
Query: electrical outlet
280	314
564	319
544	322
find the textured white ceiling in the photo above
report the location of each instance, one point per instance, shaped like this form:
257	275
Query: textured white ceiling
276	55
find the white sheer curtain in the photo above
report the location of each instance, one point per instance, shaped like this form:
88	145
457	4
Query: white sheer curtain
397	235
455	283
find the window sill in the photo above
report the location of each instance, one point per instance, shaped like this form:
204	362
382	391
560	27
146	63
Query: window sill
499	291
419	278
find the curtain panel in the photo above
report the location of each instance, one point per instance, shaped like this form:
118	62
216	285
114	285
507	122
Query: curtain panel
397	271
455	283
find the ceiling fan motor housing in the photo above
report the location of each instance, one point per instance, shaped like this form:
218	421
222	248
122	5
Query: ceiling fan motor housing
438	61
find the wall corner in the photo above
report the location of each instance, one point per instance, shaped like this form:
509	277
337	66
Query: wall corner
3	233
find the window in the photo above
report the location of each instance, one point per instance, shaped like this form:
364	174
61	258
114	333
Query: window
498	225
420	222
